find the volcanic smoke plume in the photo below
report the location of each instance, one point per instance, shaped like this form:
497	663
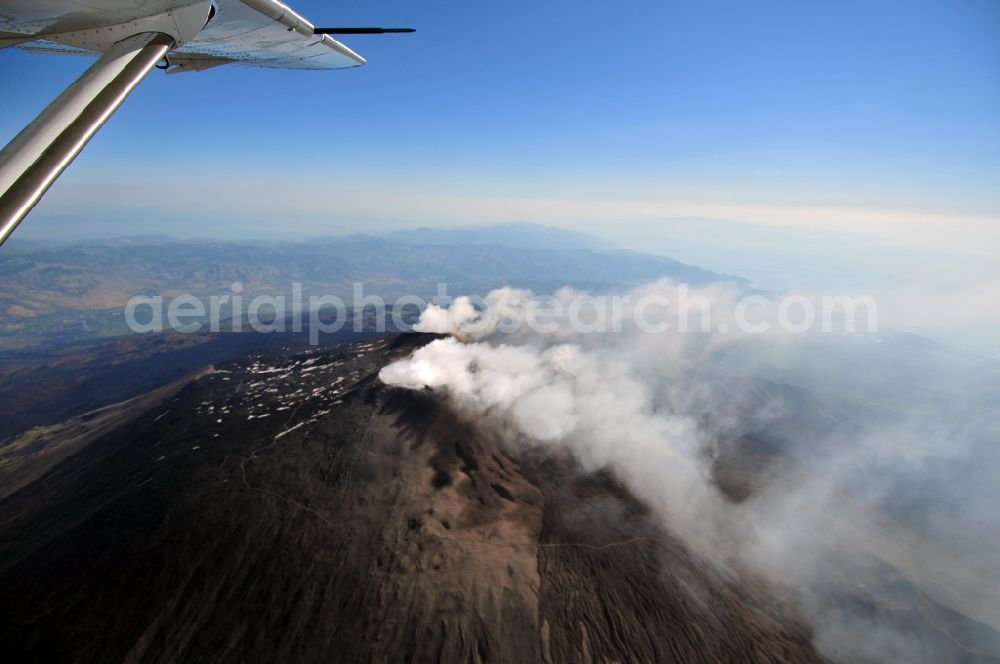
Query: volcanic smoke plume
749	471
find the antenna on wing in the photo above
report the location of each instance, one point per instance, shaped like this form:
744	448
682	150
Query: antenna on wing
359	31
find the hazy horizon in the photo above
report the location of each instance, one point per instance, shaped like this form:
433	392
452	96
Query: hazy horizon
933	299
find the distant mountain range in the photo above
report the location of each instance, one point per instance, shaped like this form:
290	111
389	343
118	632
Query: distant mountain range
58	293
514	236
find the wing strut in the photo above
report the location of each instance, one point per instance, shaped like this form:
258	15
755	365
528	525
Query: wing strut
34	159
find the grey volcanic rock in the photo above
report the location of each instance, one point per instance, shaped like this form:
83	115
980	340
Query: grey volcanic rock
289	507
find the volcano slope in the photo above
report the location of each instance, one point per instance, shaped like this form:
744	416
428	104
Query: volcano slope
291	508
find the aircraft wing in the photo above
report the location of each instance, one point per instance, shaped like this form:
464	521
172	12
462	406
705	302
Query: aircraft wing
129	38
266	33
260	33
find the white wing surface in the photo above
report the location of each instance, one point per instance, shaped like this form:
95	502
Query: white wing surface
261	33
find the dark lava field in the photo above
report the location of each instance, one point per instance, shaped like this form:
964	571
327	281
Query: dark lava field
288	507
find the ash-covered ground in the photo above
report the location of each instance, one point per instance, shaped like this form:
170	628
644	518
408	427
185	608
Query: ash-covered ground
289	507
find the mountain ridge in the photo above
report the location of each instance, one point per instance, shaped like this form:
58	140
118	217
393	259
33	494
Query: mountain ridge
56	294
289	506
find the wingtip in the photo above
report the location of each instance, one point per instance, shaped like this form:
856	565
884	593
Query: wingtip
343	50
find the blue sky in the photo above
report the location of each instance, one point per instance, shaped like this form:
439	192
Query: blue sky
813	132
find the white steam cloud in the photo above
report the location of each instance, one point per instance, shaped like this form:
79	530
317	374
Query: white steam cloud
658	409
